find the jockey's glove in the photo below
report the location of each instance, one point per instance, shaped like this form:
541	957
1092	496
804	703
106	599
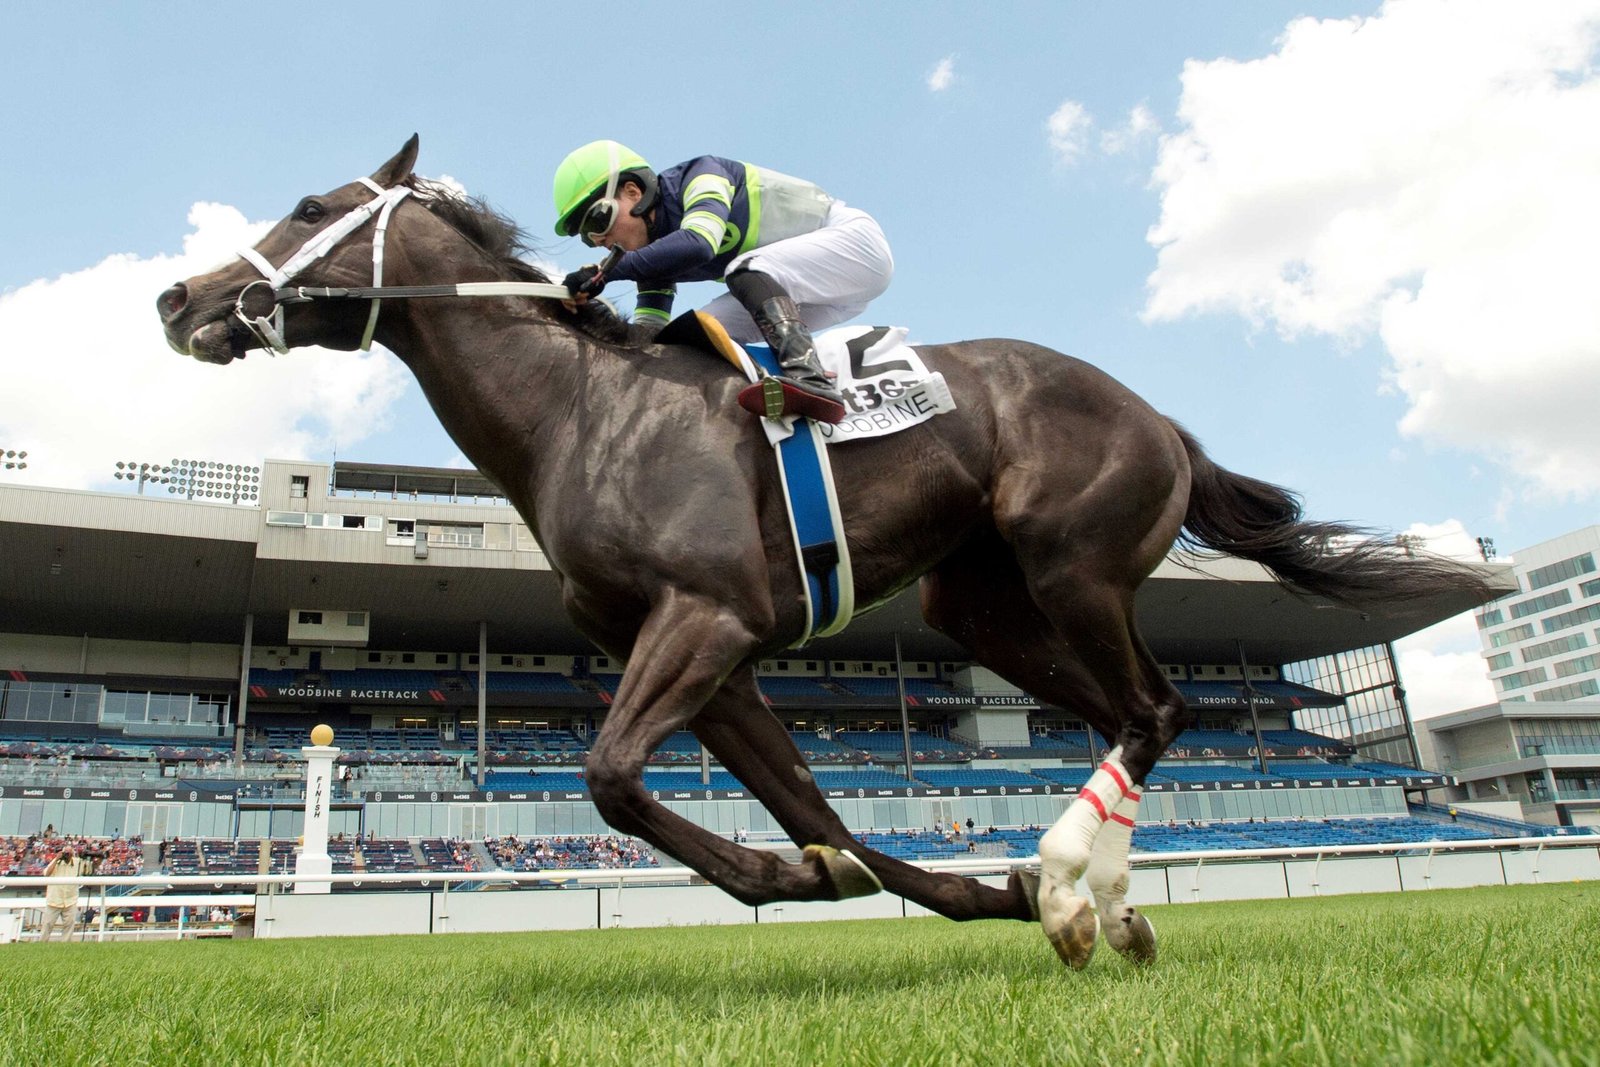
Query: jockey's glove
585	281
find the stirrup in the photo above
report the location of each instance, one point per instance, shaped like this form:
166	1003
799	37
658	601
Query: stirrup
776	398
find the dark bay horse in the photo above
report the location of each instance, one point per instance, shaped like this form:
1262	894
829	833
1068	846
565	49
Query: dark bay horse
1030	514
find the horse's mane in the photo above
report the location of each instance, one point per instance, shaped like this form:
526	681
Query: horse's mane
505	244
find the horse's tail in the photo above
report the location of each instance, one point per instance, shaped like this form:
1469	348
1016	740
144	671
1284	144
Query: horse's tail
1257	521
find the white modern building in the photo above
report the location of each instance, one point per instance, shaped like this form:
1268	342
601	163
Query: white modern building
1539	746
1542	642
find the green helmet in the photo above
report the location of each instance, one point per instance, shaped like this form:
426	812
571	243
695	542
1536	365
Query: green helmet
587	171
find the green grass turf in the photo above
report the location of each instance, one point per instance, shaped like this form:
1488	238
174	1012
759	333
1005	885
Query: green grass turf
1495	975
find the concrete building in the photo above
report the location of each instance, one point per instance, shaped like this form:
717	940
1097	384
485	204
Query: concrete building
1540	759
1542	642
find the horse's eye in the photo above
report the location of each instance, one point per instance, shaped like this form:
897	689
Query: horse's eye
310	211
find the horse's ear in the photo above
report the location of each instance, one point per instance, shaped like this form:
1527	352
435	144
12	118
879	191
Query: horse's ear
398	169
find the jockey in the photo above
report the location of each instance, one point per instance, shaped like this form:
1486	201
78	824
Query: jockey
794	258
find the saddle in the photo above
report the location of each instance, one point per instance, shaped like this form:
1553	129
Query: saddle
767	395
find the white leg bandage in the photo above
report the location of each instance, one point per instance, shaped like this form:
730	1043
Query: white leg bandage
1064	852
1108	865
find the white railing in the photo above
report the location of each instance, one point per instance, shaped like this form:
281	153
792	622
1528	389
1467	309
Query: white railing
667	879
611	876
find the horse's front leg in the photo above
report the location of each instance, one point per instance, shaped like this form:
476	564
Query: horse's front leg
688	645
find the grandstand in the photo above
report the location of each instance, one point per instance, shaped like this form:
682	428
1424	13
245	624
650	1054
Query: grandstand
464	704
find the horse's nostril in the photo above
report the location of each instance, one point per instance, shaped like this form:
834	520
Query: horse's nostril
172	301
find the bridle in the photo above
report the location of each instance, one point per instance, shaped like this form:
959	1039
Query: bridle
268	326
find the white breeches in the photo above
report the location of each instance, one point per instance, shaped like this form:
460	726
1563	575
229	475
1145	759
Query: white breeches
831	273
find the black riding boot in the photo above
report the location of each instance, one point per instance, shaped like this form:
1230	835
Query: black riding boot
780	323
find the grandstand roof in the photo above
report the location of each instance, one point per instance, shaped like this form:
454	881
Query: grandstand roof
119	565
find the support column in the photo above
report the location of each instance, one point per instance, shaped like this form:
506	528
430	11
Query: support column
1250	701
1405	713
905	719
313	859
244	688
483	698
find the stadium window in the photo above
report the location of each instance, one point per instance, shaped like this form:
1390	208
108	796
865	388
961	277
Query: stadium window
355	618
1560	571
310	618
441	659
538	661
354	522
408	657
299	486
472	660
505	661
374	657
1543	602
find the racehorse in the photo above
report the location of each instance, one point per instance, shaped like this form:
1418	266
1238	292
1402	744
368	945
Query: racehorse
1030	514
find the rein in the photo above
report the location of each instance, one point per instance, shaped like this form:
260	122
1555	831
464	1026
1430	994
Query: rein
268	326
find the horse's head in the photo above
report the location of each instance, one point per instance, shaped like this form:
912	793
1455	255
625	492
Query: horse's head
326	240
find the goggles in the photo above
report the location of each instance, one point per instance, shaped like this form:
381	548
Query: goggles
599	219
600	216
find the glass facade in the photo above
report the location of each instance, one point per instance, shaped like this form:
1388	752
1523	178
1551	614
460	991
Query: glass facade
50	702
1540	604
1366	678
1561	571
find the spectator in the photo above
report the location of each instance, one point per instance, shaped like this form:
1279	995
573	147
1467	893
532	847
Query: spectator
61	901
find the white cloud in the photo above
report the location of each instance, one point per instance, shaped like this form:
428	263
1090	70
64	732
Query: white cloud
943	74
1140	126
1442	667
91	379
1426	175
1068	129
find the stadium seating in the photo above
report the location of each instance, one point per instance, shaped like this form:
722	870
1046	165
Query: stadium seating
527	682
1069	776
859	780
1302	739
915	845
1226	742
519	781
865	686
1393	770
664	780
796	687
1170	771
1305	771
998	776
1155	837
586	851
388	856
441	855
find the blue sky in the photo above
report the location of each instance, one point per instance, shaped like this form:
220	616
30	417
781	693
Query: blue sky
1345	244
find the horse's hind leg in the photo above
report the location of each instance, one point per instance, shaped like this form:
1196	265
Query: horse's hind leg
739	729
981	598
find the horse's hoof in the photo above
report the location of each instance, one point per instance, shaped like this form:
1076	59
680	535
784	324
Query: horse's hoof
1072	926
1133	935
850	877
